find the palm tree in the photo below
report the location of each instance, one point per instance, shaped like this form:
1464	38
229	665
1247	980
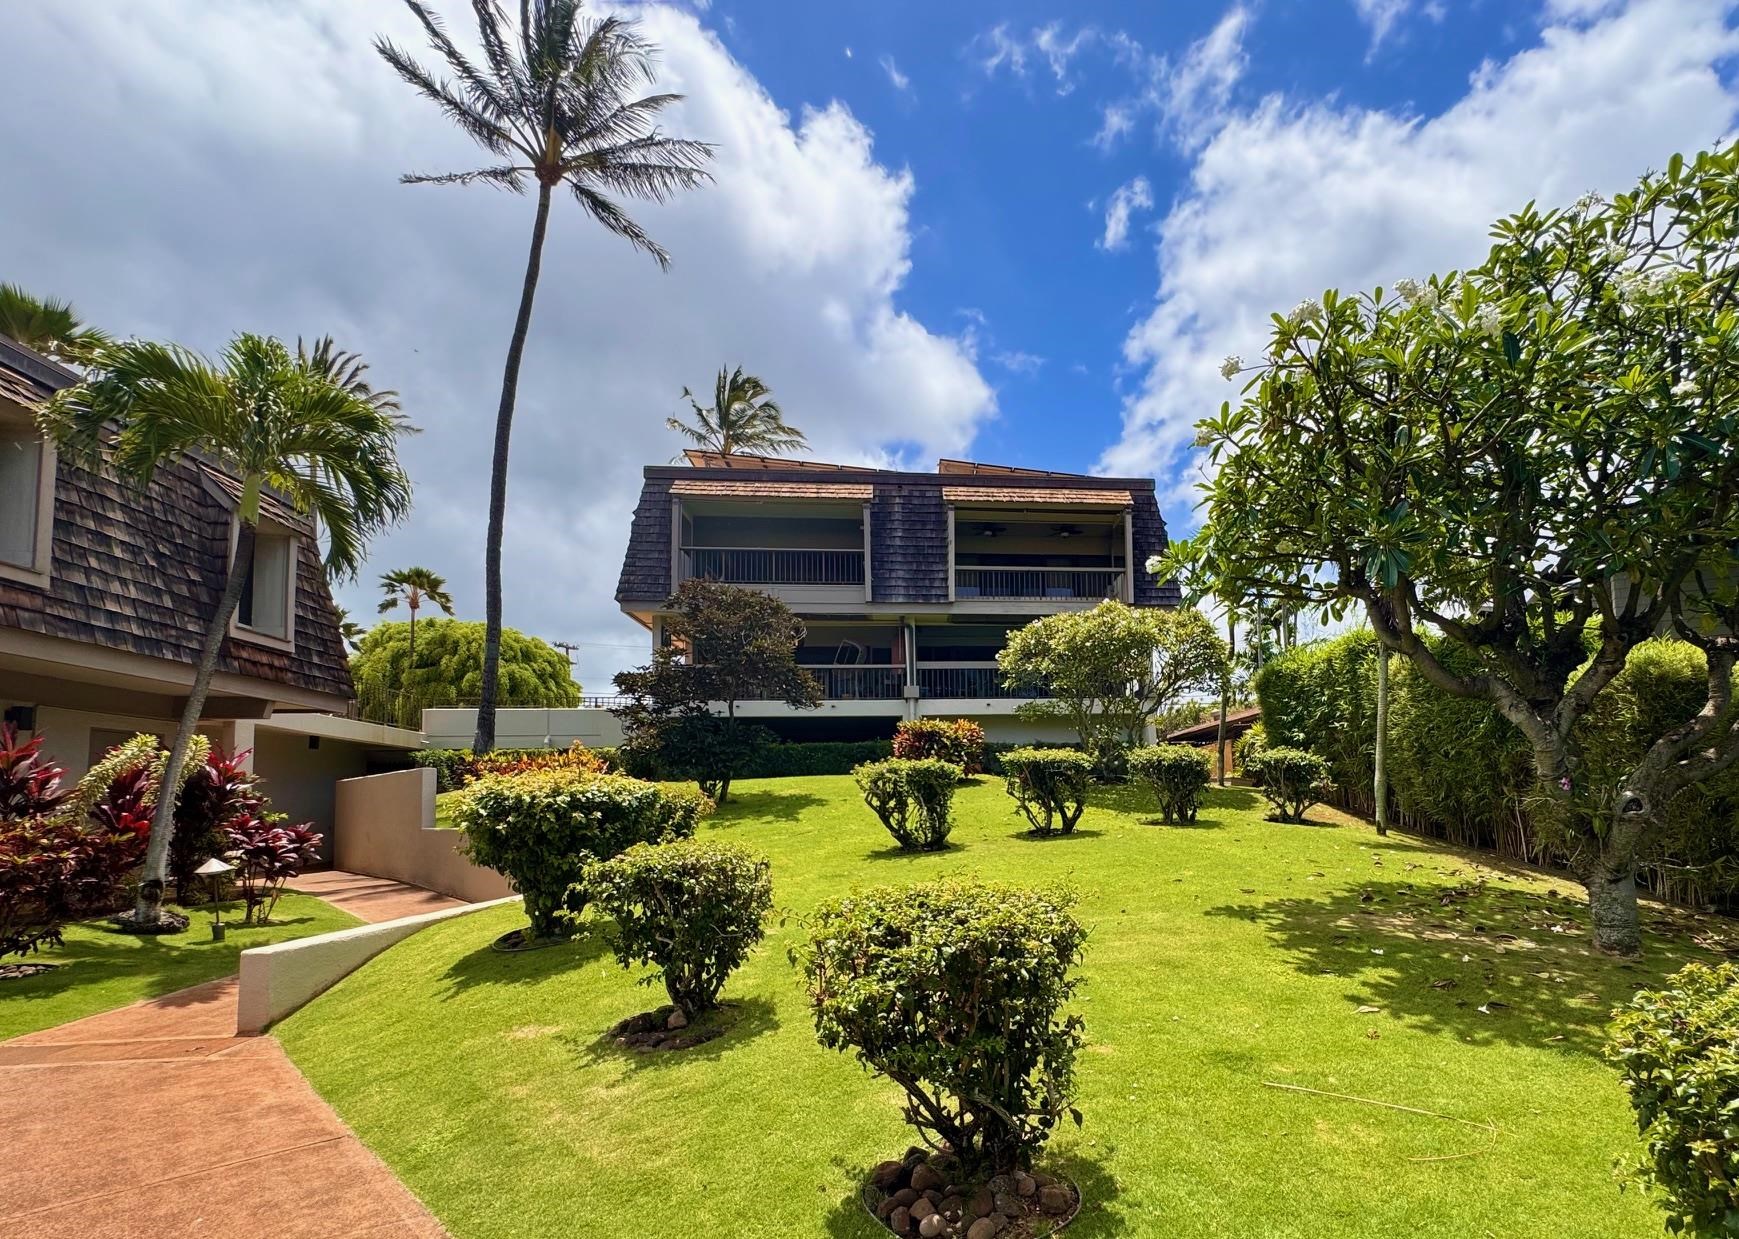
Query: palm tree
554	102
49	327
413	587
349	631
348	370
744	418
269	423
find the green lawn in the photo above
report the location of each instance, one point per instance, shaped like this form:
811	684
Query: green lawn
1224	956
100	969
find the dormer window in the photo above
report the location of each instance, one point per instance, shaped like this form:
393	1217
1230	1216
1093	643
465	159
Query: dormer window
267	611
26	500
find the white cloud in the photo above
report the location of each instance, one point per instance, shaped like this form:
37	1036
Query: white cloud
1126	200
900	81
1018	361
1000	48
1287	199
249	182
1186	95
1381	16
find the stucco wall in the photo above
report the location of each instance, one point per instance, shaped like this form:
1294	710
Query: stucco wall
276	980
522	728
384	827
303	781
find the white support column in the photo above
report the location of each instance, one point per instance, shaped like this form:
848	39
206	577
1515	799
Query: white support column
951	553
675	542
869	592
1129	555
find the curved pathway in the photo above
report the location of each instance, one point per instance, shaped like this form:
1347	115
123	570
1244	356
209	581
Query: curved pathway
156	1119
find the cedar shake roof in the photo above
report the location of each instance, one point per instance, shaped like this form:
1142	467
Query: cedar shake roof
742	460
1038	495
1237	723
771	489
140	570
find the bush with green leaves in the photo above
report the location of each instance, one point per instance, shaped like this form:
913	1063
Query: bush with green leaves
691	908
913	798
1292	780
1178	775
1678	1051
957	741
956	991
541	829
1248	747
1049	786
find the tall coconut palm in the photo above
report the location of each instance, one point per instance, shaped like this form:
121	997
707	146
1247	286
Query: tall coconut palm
49	327
412	587
554	103
349	631
269	424
744	417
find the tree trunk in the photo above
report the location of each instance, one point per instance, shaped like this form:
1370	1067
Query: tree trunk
485	738
148	908
1612	905
411	657
1380	760
1226	689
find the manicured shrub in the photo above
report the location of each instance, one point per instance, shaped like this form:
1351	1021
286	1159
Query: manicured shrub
913	798
691	908
456	769
453	768
1678	1051
957	741
266	855
541	829
1178	775
955	990
30	784
53	867
1049	786
1292	780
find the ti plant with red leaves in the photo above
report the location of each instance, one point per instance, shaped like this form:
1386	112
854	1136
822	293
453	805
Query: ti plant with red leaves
221	793
29	782
266	855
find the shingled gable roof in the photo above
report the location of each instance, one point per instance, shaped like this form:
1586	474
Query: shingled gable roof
139	570
908	514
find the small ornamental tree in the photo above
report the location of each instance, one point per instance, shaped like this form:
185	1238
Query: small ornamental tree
957	741
220	793
266	855
691	908
955	991
727	645
1535	458
448	669
541	829
1178	775
914	799
1104	672
1049	786
1291	779
1678	1051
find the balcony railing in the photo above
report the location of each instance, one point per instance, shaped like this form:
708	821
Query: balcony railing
982	680
753	565
1038	583
860	683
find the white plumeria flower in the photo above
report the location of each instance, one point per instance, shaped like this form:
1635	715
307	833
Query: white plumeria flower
1587	203
1307	311
1409	290
1685	389
1229	368
1154	563
1614	252
1488	320
1204	438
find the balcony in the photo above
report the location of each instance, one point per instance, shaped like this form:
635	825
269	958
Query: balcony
1039	584
968	679
753	565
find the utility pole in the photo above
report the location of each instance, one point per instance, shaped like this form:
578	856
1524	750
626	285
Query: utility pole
568	648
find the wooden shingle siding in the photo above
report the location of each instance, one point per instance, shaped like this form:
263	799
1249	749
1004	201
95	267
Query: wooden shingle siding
140	571
646	565
909	543
1150	539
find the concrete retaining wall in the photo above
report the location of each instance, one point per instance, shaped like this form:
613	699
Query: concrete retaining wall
384	825
277	979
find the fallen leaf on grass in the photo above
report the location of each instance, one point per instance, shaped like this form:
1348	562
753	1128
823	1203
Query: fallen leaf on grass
1493	1007
1367	1010
1444	983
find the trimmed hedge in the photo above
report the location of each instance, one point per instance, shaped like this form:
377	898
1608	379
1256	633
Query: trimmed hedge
913	798
1178	775
692	908
541	829
1292	780
1049	786
1678	1051
956	990
1458	770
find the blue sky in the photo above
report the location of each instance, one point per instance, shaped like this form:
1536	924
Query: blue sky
1014	230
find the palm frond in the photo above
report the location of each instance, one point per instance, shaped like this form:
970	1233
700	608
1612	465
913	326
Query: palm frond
506	177
618	221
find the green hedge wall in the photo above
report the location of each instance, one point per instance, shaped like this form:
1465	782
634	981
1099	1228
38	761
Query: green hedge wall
1459	771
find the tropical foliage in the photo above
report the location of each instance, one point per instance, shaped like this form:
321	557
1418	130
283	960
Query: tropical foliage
411	588
913	798
1178	775
743	417
48	326
449	670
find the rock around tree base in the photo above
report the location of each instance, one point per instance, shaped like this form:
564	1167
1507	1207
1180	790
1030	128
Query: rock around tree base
667	1029
917	1196
167	922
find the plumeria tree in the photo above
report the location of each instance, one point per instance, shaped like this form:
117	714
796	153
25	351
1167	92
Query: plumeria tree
1536	459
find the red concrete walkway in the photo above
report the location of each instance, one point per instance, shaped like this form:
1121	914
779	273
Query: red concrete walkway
156	1119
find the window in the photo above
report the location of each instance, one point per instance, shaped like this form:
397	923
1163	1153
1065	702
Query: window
268	600
26	501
